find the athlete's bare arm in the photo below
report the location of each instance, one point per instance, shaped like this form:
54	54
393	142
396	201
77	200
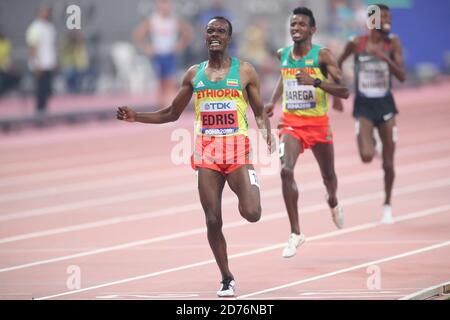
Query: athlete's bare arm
169	114
396	64
277	92
348	51
333	87
252	87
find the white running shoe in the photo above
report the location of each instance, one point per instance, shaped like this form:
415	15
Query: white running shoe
227	288
295	240
387	215
337	214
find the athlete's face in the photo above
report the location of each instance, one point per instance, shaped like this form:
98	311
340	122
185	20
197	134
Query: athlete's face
300	28
217	35
386	21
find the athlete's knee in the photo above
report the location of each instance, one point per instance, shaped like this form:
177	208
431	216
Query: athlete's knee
213	222
367	157
252	213
287	173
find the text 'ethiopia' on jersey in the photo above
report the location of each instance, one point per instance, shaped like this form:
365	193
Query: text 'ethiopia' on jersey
220	106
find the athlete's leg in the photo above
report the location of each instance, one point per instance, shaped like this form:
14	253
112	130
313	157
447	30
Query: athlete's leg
364	136
324	154
244	183
210	187
388	136
290	149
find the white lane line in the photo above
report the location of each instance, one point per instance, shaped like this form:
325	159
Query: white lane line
196	205
427	292
161	296
160	174
133	163
92	185
63	161
361	227
147	194
330	293
352	297
413	168
82	170
341	271
271	217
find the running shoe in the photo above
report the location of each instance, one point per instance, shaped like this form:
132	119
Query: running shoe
295	240
227	288
387	215
337	214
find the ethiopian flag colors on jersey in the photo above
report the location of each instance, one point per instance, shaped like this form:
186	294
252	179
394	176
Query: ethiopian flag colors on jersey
220	107
299	99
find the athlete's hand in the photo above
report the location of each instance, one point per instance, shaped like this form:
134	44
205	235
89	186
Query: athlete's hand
378	52
304	79
337	105
268	108
126	114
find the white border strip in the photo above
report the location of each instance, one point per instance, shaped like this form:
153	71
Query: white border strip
366	226
427	292
359	266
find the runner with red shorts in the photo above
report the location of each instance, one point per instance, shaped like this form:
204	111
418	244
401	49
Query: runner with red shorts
223	87
303	84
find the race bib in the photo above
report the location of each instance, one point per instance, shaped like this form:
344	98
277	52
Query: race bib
299	97
374	79
219	117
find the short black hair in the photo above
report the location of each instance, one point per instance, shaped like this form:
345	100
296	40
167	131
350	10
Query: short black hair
230	27
381	6
307	12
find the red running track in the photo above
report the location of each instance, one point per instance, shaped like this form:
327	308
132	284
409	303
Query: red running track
105	200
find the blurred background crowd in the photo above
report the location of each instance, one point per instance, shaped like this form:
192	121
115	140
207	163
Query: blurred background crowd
138	50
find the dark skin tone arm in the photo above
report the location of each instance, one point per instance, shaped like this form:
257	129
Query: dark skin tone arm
169	114
334	87
252	90
396	63
173	112
277	92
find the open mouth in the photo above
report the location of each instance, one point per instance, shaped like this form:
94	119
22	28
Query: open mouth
214	43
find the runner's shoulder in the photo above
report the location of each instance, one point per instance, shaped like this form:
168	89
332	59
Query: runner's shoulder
190	73
246	67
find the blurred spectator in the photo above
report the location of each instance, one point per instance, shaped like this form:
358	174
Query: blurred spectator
256	49
342	19
92	37
162	36
9	78
41	41
359	17
74	61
